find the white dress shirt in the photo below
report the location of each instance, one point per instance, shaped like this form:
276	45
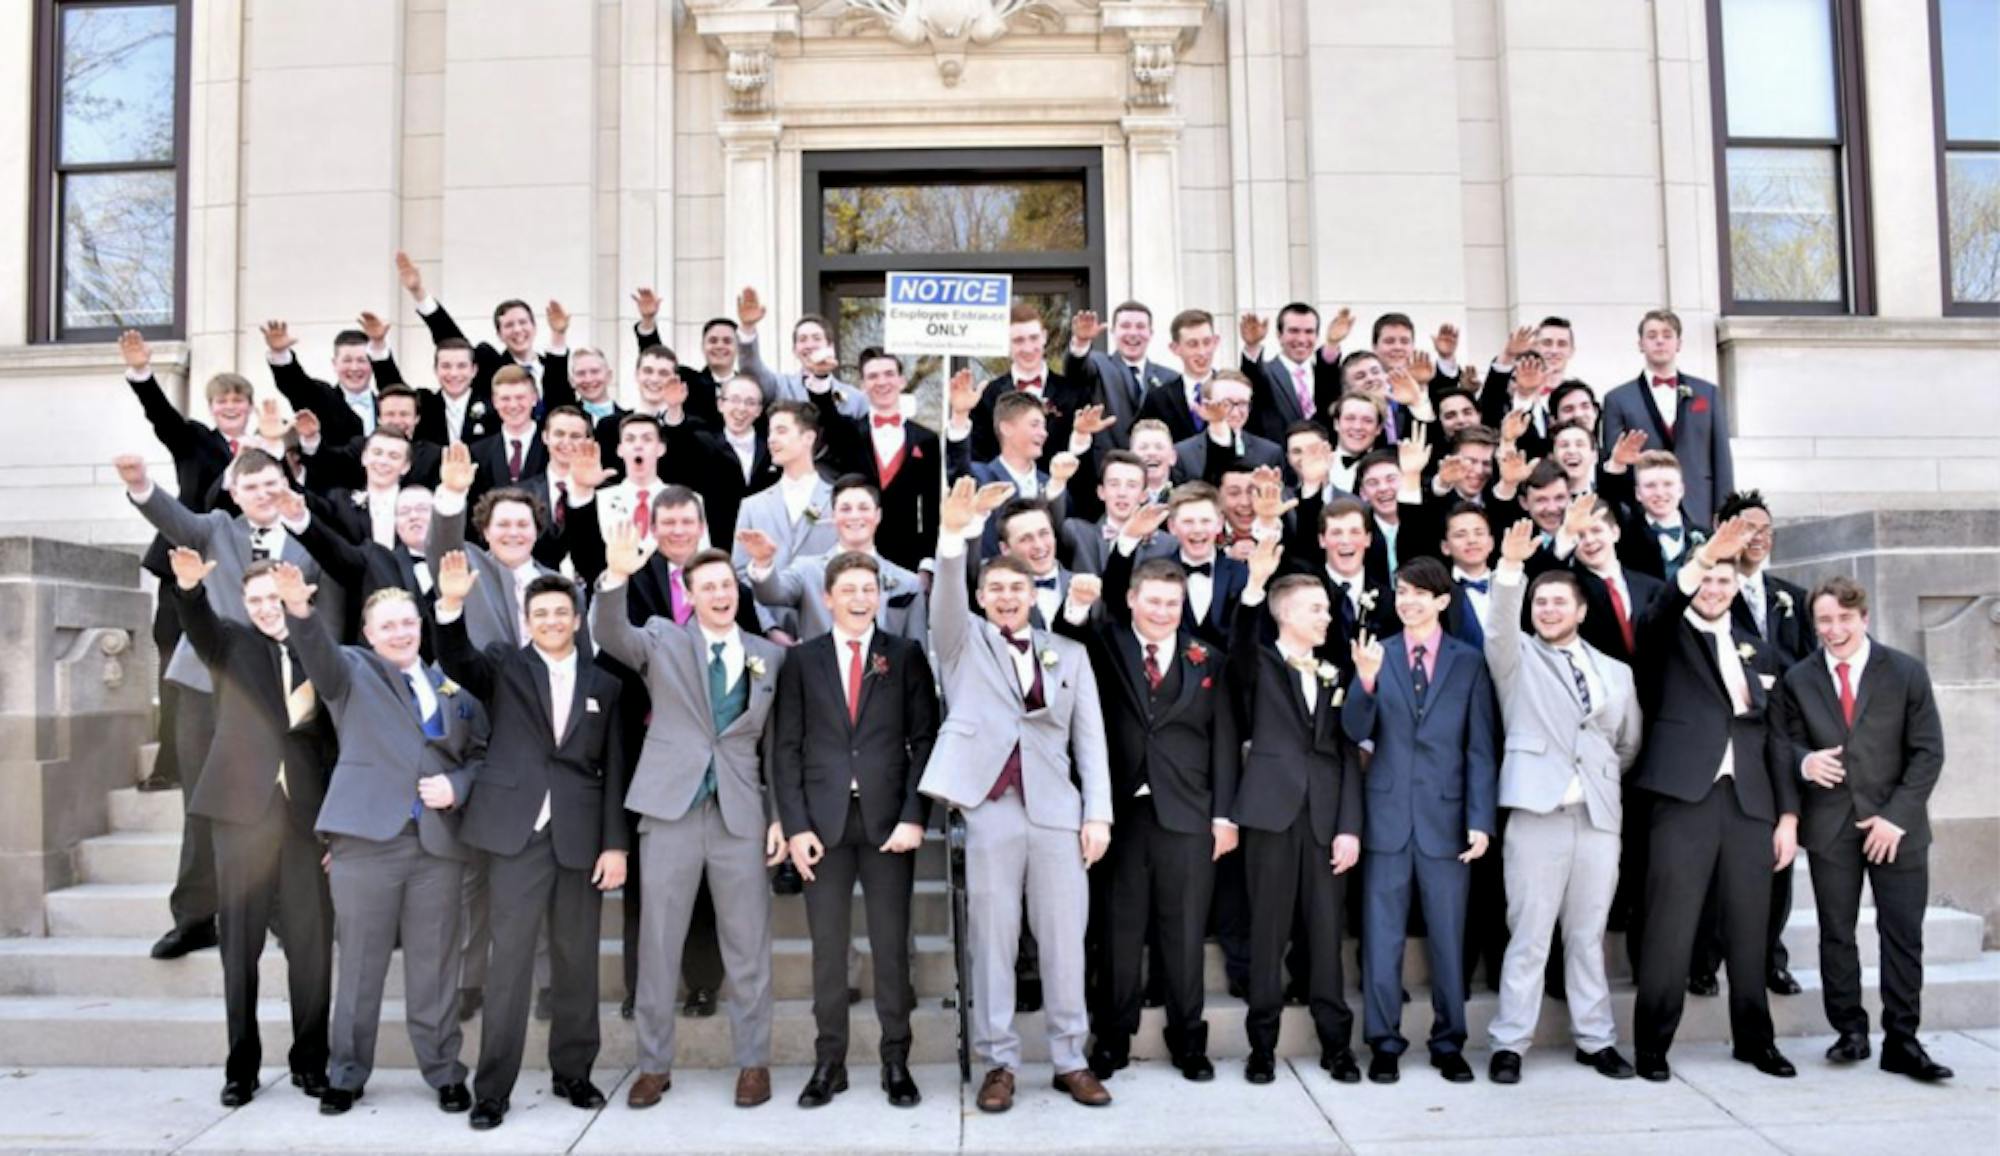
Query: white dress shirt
427	701
798	494
732	652
454	416
1200	587
1666	399
382	517
523	574
888	439
1481	602
1733	677
843	651
1751	587
745	450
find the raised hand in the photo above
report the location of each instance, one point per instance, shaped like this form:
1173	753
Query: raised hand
749	308
1269	501
1530	374
1366	652
131	470
1513	426
1266	476
1422	367
1062	468
411	276
1519	545
1581	513
291	505
373	325
964	396
625	551
1085	590
1091	420
1728	540
456	469
1404	388
1515	466
1414	453
758	545
306	422
133	348
992	496
271	423
1252	328
1214	413
647	303
675	393
189	569
956	512
587	470
1315	465
455	577
293	589
1263	561
821	362
1446	341
558	319
1468	379
1519	342
277	336
1145	521
1337	329
1084	328
1626	450
1451	471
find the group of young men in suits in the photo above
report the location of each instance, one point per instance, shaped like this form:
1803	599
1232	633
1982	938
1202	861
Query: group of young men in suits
1242	636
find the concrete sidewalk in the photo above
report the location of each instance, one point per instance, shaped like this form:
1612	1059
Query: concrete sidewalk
1713	1105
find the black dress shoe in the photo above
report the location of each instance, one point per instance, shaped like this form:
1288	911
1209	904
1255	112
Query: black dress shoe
1452	1066
629	1008
181	940
454	1098
1908	1058
311	1083
1384	1068
1768	1060
902	1089
1781	982
1341	1065
1851	1049
237	1093
1652	1067
700	1003
1704	985
1028	996
1107	1058
786	880
1238	989
580	1093
1607	1063
1504	1067
1260	1068
470	1000
544	1006
1195	1068
488	1114
335	1101
826	1081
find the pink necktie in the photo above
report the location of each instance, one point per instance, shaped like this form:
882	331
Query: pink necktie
1305	391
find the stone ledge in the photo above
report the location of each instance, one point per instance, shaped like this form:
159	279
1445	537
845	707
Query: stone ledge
93	358
50	558
1981	333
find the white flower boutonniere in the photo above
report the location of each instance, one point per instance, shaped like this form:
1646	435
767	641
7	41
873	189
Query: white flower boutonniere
1785	602
1339	696
447	687
754	665
1328	673
359	498
1049	659
1745	651
1365	600
814	514
478	409
1685	391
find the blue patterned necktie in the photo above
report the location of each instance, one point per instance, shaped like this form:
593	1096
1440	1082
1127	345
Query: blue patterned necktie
1582	683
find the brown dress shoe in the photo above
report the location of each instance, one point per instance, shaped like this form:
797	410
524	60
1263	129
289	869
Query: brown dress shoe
996	1094
753	1087
1083	1087
648	1088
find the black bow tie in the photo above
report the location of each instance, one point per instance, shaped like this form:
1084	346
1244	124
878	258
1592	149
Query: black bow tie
1480	584
1673	532
1348	461
1045	583
1205	569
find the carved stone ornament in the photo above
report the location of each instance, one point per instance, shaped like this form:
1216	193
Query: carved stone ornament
949	26
743	32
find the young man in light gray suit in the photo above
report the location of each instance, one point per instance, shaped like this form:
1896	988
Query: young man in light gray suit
411	744
810	344
1573	727
703	806
795	512
800	587
1023	704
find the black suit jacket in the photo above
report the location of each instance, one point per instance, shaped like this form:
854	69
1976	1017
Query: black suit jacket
1061	398
1112	383
253	731
1893	753
1690	717
1295	758
1227	578
1274	400
337	423
490	454
487	358
433	422
817	752
200	453
338	467
1600	620
703	392
361	568
700	458
908	533
1785	619
1168	403
583	776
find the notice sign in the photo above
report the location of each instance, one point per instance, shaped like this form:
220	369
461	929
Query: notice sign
961	314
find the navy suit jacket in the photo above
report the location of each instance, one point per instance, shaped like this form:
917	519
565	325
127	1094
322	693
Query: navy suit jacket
1434	775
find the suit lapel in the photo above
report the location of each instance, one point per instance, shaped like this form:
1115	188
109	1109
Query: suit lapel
1190	674
1659	430
834	664
1131	663
1864	689
536	671
878	653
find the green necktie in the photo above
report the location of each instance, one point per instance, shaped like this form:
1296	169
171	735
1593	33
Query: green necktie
718	691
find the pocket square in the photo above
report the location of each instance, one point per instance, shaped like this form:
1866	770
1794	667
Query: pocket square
1769	680
590	706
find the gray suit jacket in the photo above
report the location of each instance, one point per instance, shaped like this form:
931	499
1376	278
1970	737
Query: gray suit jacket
765	510
224	539
904	611
682	738
1549	738
987	718
490	610
791	386
383	749
1700	438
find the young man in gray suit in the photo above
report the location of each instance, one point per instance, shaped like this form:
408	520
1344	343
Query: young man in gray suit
411	744
794	512
1023	705
1572	721
700	794
799	587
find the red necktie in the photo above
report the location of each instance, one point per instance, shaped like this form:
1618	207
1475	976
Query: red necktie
1846	695
854	680
889	422
642	514
1624	618
1154	676
562	504
514	460
232	447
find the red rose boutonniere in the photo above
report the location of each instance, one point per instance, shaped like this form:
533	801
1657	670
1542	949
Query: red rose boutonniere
878	667
1196	654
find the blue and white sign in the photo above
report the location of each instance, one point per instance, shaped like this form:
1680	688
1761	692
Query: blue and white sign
962	314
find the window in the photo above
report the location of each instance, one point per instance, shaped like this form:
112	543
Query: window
1790	159
1965	43
110	144
1037	215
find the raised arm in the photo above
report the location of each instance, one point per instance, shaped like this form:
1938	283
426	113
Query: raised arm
461	660
455	475
1510	583
319	652
179	525
205	632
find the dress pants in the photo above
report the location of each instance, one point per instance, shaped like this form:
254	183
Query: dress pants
1008	857
1286	870
1709	948
886	881
1160	880
701	958
1712	839
1441	886
1902	890
383	892
475	937
531	890
678	853
274	863
193	899
1559	868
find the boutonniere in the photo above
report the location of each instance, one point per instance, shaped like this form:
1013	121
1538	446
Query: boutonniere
1152	381
916	451
1049	659
447	687
1785	602
1196	654
1339	696
478	429
1328	673
359	498
754	665
1745	651
879	666
478	409
1685	392
813	513
1366	600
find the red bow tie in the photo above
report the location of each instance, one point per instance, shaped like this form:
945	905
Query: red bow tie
1665	382
1029	383
888	422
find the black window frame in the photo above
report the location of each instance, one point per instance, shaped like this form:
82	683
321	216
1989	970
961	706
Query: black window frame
1945	147
46	273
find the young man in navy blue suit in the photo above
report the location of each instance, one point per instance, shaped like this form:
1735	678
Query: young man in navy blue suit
1426	701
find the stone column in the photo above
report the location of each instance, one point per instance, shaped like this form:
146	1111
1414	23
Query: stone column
1157	32
1259	195
76	701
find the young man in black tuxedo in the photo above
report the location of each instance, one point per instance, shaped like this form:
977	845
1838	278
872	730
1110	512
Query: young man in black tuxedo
260	791
513	324
1211	580
1863	728
1303	379
1723	796
852	812
1298	802
1028	372
549	816
1171	734
901	458
516	449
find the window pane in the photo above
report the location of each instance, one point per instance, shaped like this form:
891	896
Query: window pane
1784	225
117	250
118	84
1972	206
987	217
1971	40
1777	69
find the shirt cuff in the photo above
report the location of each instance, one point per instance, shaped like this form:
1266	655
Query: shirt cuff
136	376
1079	443
282	357
560	349
1074	614
1447	367
143	496
1251	598
427	306
758	572
447	503
1509	576
958	432
1219	821
299	527
379	352
445	617
309	446
951	545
